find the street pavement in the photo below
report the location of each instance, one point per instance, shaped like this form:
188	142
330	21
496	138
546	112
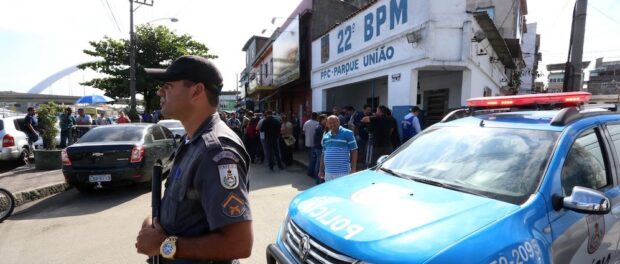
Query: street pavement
101	228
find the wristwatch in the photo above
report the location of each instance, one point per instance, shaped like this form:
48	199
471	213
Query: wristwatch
168	248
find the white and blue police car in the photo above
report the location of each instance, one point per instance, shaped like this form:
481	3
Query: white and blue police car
498	186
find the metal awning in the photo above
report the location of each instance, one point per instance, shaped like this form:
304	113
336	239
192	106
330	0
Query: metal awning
497	42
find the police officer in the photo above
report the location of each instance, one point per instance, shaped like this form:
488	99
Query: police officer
205	213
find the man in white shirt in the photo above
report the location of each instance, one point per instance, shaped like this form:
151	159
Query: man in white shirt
309	129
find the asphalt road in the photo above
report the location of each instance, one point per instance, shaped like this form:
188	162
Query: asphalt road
101	228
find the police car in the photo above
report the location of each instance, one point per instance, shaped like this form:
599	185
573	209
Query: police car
497	186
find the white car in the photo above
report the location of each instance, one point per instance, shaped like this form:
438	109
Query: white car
174	126
14	141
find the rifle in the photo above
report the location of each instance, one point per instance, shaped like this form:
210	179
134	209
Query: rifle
156	198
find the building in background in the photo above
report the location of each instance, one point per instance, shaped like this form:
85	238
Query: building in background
228	101
531	56
605	78
434	54
277	73
555	78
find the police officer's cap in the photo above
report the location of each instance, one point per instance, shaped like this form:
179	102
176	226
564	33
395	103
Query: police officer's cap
190	68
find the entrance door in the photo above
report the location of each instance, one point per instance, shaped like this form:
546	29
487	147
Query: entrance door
436	106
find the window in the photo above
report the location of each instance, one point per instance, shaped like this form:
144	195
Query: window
487	92
585	164
490	11
157	134
168	133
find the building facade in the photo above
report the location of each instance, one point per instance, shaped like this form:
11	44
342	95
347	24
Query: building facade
278	78
605	78
433	54
555	78
530	49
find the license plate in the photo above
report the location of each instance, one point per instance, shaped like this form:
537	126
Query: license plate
100	178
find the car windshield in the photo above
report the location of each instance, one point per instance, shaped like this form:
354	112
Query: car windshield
113	133
171	124
499	163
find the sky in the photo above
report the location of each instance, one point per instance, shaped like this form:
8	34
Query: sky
39	38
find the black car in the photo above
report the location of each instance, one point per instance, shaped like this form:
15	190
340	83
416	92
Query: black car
116	155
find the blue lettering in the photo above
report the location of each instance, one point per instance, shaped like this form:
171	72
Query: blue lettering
381	17
368	27
389	53
398	12
382	55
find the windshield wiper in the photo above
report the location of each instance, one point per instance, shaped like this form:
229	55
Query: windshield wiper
397	174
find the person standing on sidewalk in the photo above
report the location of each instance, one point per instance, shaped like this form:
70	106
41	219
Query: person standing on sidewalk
339	156
271	127
309	129
205	211
31	128
317	150
381	127
67	121
411	123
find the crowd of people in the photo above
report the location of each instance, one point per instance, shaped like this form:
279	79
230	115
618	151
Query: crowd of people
268	137
338	142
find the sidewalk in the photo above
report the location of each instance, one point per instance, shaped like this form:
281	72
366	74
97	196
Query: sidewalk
28	184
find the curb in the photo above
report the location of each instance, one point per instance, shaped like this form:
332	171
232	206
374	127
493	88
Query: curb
24	197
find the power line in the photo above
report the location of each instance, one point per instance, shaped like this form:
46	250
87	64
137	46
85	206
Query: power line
508	14
602	13
113	16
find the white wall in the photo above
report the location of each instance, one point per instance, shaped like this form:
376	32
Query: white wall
528	49
435	80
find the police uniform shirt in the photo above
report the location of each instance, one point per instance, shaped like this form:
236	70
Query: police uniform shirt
208	184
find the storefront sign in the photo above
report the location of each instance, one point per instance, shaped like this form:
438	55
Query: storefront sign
378	56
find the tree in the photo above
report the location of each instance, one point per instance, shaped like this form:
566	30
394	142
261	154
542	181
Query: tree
47	116
156	47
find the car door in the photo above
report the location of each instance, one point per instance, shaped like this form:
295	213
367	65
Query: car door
578	237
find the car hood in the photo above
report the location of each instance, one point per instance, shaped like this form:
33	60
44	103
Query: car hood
374	212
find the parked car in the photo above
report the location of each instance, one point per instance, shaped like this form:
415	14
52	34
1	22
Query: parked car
14	141
174	125
117	155
497	186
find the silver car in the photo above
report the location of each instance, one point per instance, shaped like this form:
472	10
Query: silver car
14	141
174	126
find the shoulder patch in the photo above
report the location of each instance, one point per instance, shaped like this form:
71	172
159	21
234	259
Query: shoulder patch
233	206
226	154
229	176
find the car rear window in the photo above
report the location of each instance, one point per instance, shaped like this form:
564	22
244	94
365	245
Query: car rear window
113	133
500	163
1	125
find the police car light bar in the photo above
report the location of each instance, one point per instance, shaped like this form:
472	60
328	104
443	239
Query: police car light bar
571	98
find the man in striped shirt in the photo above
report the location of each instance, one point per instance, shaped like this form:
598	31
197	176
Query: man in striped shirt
339	151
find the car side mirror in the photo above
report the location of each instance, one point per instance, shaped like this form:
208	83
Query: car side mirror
382	159
587	201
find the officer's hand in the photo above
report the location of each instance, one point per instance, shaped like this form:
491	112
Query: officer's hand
150	238
148	221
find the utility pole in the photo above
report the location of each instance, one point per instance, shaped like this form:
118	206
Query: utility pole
132	52
573	72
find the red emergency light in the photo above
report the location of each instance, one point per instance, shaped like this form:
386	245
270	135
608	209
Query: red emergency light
570	98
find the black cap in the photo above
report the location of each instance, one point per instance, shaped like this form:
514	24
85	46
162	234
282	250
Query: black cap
191	68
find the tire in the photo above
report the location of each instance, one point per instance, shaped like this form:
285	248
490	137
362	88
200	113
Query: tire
7	204
24	157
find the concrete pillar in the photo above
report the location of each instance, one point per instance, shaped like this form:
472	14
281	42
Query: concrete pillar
402	90
318	100
466	87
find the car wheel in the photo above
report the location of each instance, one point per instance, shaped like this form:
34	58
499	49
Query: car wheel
24	157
